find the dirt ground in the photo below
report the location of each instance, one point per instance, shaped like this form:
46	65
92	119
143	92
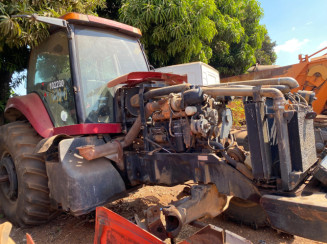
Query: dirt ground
76	230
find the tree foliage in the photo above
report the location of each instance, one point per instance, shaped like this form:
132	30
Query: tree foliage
111	9
239	35
266	55
225	33
18	32
174	31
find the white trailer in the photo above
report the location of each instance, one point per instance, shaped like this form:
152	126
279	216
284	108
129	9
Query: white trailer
198	73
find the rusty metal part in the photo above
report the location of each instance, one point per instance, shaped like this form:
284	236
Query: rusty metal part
160	138
236	154
135	101
320	173
205	201
4	178
239	166
154	223
207	235
166	115
304	215
212	234
164	110
175	102
90	152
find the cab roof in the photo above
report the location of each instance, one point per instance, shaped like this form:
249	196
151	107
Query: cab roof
89	20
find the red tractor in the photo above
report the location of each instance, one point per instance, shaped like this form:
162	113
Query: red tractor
96	121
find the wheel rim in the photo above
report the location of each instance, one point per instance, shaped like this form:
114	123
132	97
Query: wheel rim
9	187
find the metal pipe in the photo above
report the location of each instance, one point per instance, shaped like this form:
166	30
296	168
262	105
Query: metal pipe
165	91
242	91
90	152
281	124
287	81
284	89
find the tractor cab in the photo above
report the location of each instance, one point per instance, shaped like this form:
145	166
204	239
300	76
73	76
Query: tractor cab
70	70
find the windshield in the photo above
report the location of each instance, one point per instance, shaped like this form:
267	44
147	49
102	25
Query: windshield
102	56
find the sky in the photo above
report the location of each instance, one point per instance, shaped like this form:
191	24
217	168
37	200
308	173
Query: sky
297	26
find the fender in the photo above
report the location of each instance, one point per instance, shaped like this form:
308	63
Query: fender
31	107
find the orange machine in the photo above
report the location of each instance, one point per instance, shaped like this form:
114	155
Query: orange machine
310	74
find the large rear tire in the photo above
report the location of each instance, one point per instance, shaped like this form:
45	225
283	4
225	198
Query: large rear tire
246	212
24	192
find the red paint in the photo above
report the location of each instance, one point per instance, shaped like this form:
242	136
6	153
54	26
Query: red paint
31	106
135	78
86	129
113	228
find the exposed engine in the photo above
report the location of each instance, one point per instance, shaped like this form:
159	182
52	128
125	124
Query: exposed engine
184	118
186	121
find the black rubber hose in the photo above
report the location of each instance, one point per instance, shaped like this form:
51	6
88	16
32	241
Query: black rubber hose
165	91
224	153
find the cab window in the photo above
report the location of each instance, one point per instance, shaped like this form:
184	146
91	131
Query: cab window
50	76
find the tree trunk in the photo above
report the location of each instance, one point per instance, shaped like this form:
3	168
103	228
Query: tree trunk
5	79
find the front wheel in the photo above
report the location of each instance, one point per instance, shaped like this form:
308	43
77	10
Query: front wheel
246	212
24	192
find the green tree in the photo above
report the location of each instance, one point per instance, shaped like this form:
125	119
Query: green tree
239	35
174	31
266	55
19	35
111	10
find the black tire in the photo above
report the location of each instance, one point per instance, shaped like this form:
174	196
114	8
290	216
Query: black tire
247	213
24	197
